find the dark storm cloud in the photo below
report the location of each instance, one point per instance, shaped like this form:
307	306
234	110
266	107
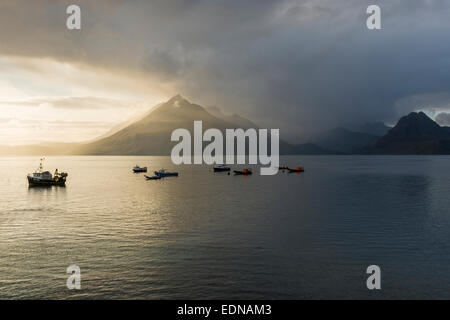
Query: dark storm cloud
298	65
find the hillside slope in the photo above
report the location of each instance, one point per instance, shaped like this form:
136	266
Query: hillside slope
415	133
151	135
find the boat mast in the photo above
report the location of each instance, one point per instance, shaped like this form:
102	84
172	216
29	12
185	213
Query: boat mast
40	165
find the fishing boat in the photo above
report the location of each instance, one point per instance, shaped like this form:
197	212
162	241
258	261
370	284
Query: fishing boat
222	168
164	173
244	172
45	178
153	177
298	169
138	169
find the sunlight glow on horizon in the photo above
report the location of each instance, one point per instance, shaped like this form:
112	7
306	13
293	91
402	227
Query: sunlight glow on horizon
44	100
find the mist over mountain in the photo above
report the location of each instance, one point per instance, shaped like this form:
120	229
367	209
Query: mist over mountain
235	119
43	149
302	66
123	125
377	128
342	140
151	134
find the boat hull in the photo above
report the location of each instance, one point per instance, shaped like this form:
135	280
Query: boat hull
242	173
166	174
222	169
153	178
33	182
140	170
296	170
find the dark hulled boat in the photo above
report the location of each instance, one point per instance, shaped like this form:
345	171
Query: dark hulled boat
244	172
45	178
222	168
163	173
153	178
298	169
138	169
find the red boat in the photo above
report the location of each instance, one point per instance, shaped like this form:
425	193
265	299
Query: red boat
298	169
244	172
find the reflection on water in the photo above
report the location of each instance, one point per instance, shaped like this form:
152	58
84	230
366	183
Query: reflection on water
39	189
213	235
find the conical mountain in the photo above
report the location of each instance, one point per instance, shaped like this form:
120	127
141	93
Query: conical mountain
415	133
151	134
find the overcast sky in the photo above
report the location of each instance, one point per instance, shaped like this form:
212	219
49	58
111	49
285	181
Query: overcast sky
289	64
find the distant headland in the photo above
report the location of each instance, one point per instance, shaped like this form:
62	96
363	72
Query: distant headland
150	134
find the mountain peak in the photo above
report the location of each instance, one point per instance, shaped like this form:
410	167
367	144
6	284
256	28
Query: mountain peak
417	115
418	121
175	99
415	133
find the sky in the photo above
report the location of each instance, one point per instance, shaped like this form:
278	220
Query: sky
298	65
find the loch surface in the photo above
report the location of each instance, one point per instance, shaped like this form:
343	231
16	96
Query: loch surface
206	235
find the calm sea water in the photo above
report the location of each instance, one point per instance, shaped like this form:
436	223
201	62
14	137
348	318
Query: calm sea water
211	236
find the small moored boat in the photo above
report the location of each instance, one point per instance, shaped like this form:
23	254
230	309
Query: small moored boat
222	168
45	178
153	177
164	173
138	169
243	172
298	169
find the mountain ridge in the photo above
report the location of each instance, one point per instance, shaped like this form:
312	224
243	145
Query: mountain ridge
151	135
342	140
414	133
